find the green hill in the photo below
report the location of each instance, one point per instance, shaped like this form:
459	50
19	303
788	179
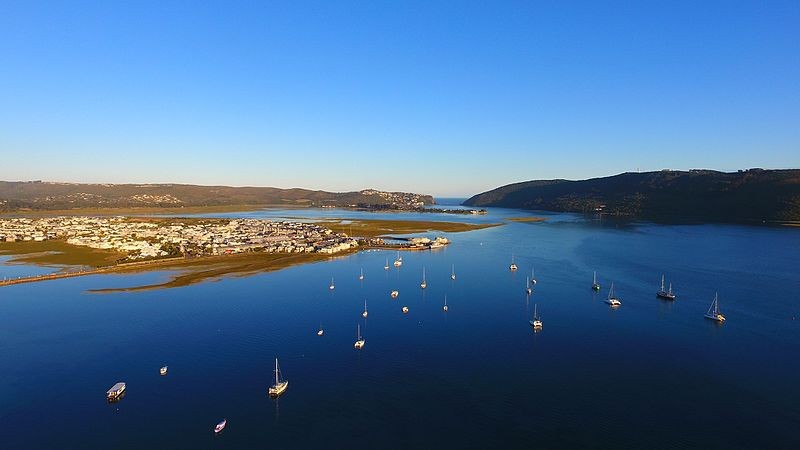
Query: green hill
668	195
44	196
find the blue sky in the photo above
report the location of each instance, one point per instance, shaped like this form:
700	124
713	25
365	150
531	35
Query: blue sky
449	98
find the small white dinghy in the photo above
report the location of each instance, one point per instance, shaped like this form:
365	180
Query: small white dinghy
220	426
163	371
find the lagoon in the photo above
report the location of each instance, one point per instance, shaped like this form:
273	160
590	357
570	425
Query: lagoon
650	374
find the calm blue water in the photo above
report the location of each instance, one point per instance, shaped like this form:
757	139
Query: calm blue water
650	374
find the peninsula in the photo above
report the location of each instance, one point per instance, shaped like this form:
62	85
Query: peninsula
200	248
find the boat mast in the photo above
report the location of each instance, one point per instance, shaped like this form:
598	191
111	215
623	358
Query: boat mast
662	282
276	371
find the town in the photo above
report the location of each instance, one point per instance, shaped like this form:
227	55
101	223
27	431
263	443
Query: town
144	238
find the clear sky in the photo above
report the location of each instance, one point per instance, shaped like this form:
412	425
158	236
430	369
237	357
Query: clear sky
448	98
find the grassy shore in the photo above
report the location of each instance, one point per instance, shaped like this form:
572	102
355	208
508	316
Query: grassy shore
376	227
58	252
197	270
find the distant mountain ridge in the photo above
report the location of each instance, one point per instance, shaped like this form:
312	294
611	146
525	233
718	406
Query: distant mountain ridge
667	195
40	195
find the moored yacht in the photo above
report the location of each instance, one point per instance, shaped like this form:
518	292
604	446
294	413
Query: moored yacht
663	293
528	289
399	261
405	309
163	371
116	392
714	312
365	313
533	278
612	298
386	266
536	322
394	294
359	340
453	272
280	385
513	266
361	276
332	286
424	283
445	308
595	284
220	426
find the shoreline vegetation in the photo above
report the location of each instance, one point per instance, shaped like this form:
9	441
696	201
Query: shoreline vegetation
81	261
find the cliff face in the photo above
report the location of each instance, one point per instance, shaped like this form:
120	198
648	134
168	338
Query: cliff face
38	195
675	196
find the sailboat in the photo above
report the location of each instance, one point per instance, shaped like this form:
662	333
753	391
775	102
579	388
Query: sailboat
365	313
424	283
386	266
536	322
444	308
331	287
359	340
399	261
163	370
595	284
528	289
533	277
665	294
713	311
320	332
280	385
513	266
405	309
361	276
612	299
394	294
453	272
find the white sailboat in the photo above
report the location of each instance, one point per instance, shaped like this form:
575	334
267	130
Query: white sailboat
332	286
405	309
399	261
386	266
394	294
280	385
533	277
365	313
359	340
424	283
163	371
612	298
595	284
528	289
361	276
445	308
663	293
453	272
536	322
713	311
513	266
320	332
